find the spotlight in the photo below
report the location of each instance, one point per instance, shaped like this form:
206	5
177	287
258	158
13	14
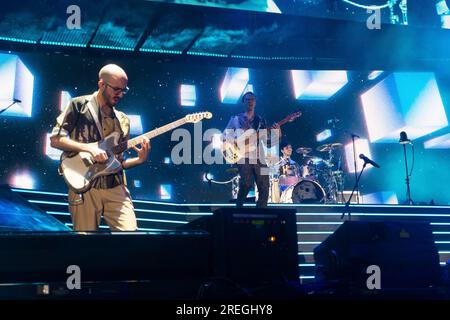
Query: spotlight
207	177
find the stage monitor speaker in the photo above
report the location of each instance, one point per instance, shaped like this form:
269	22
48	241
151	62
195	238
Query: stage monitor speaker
254	245
117	256
405	252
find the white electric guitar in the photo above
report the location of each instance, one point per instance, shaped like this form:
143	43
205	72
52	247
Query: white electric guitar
81	169
233	151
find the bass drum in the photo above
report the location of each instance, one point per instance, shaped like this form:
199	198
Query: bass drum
305	191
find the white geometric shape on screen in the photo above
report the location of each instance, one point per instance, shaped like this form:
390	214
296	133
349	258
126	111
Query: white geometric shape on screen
217	141
317	84
361	147
233	85
64	100
442	142
165	191
324	135
137	183
374	74
49	151
22	179
188	95
381	197
135	125
16	82
272	7
403	101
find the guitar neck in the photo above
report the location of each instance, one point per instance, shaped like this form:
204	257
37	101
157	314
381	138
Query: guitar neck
289	118
151	134
156	132
282	122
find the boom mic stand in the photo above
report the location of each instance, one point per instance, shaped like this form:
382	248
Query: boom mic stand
3	110
354	162
355	187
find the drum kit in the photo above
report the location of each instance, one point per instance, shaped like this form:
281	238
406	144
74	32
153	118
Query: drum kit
319	180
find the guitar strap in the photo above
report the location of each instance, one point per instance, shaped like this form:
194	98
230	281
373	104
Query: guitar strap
256	122
95	112
125	130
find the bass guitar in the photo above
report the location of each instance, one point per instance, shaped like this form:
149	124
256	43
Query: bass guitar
235	150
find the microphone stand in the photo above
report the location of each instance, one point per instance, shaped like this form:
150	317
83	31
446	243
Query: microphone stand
347	203
408	190
354	162
3	110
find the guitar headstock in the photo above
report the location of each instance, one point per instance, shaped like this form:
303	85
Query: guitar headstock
293	116
197	117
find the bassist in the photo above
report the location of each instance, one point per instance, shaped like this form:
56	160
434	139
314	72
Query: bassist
253	166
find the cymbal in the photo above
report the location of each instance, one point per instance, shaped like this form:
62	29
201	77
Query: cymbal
329	146
303	150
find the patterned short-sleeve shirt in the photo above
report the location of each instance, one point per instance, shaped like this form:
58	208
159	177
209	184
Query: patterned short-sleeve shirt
78	122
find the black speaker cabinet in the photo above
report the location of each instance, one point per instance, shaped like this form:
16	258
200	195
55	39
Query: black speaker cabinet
254	245
404	251
35	256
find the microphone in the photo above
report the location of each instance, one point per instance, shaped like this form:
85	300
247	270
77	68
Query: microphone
17	100
404	138
355	135
367	160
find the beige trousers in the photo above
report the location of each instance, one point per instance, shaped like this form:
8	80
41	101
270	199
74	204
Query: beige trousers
114	204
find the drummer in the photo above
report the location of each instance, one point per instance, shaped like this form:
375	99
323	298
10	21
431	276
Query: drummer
289	173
